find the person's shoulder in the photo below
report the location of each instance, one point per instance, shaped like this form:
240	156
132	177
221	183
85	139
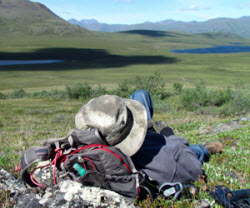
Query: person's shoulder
177	139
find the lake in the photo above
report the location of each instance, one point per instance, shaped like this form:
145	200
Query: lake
20	62
216	49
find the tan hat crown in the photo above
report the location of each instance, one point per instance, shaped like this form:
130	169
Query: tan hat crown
108	114
117	120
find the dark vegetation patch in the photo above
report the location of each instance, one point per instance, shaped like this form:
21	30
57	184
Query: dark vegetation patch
199	99
75	58
150	33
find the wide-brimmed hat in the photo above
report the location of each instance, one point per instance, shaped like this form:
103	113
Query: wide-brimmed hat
121	122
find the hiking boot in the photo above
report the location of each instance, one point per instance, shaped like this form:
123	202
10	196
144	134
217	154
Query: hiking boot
214	147
159	125
167	131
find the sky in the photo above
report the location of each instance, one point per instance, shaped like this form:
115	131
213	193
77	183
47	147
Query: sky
138	11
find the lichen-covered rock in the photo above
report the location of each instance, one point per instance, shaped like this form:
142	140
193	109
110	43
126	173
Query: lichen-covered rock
10	183
66	193
232	125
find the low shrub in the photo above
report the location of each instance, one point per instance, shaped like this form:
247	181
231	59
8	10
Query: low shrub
98	91
223	102
162	107
154	84
18	93
2	96
193	98
178	87
78	90
240	102
199	98
57	94
125	89
220	97
42	93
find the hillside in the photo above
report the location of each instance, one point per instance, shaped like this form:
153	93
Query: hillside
239	26
23	16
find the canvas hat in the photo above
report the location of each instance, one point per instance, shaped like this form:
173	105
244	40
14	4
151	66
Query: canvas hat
122	122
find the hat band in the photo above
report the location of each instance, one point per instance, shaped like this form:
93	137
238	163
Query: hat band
123	133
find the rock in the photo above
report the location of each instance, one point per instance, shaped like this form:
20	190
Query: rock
27	200
203	130
66	193
204	203
231	174
10	183
229	126
234	148
244	119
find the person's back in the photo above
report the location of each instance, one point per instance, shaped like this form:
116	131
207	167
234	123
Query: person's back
164	156
167	159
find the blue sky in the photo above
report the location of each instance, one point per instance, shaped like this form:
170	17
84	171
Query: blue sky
137	11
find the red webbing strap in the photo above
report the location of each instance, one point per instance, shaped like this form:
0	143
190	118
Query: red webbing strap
102	148
88	146
18	167
83	148
93	166
111	152
59	153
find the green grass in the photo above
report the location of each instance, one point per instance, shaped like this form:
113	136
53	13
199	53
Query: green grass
110	58
28	122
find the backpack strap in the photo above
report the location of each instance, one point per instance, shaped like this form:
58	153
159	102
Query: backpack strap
76	139
32	156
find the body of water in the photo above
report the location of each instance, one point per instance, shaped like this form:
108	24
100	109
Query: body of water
216	49
20	62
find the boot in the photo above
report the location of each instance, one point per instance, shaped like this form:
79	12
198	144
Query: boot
214	147
159	125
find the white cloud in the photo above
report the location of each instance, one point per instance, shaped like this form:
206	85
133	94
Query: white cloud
194	7
191	8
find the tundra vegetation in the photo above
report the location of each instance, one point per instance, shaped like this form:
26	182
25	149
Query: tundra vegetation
27	119
192	93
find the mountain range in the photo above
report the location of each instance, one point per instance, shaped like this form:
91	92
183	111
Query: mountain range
26	17
239	26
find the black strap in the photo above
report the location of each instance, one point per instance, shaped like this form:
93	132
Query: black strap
31	156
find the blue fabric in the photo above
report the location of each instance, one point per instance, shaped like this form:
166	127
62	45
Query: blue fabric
144	98
200	151
167	159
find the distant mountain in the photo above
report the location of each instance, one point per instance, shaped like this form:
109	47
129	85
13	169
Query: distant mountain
239	26
94	25
24	16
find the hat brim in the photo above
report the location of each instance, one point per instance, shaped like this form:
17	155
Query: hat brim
134	140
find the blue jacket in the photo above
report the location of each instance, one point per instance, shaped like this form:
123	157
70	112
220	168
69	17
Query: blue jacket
167	159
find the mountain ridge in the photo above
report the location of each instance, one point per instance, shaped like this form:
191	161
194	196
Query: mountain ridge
26	17
238	26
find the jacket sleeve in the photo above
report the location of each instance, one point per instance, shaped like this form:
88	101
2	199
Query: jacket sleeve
178	139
